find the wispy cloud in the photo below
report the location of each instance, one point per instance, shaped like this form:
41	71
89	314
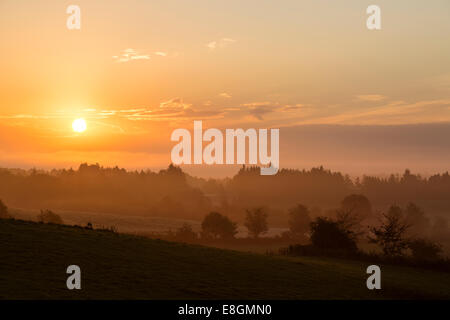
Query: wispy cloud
222	43
259	109
394	112
129	55
257	104
176	103
291	108
371	97
225	95
173	110
132	54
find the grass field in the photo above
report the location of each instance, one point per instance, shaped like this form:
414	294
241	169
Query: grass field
34	258
127	223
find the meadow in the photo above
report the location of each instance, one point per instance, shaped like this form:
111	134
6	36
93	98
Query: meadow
34	258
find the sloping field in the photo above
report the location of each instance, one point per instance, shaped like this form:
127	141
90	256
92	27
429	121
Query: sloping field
34	258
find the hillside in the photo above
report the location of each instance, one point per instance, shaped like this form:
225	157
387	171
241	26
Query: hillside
34	258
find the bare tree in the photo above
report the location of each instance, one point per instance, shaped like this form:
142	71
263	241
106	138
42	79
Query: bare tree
390	235
350	221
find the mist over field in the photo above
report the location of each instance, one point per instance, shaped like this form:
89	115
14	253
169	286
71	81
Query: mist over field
147	202
215	149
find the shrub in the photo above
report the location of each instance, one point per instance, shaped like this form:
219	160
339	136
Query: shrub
215	226
185	233
425	250
47	216
329	234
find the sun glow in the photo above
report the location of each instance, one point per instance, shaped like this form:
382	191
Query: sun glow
79	125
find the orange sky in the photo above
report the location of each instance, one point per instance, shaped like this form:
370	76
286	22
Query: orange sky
137	70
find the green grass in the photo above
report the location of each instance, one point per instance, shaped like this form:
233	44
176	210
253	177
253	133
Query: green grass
34	258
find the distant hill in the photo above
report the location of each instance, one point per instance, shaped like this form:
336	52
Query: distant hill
34	258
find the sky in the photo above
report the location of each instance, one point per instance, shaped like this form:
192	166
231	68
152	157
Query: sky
137	70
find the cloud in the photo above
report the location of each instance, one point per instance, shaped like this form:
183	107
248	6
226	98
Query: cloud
160	53
225	95
176	103
27	116
256	104
393	113
174	115
171	110
129	55
371	97
212	45
259	109
222	43
259	112
288	108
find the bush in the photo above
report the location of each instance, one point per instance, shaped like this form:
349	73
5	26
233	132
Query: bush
215	226
425	250
329	234
47	216
185	233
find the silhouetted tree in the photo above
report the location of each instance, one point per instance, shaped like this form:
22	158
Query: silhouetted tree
47	216
4	214
299	220
99	189
357	203
185	233
256	222
358	206
215	226
329	234
390	235
350	221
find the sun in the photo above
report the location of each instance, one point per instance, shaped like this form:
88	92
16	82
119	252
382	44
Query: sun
79	125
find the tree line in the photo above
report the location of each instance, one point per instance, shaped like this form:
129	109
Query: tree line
397	232
173	193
